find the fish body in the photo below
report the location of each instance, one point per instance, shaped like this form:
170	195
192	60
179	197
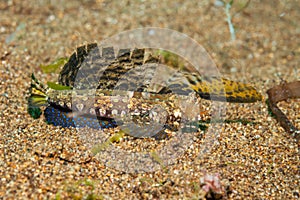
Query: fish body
103	85
72	108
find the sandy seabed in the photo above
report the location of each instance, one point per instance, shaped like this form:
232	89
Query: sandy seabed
256	160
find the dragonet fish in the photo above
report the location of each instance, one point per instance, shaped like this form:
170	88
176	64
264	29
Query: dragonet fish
102	77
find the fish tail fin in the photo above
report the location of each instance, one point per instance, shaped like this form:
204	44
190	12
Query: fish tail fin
224	90
238	92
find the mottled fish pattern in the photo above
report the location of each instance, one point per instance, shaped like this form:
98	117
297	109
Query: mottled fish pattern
91	67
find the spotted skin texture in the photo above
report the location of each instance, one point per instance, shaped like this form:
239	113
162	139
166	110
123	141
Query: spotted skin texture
235	92
92	67
59	117
117	65
137	109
